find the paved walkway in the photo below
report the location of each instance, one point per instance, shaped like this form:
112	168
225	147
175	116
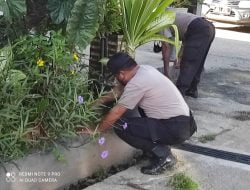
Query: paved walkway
211	173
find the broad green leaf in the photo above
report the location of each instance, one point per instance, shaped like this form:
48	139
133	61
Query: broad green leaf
5	10
60	10
3	58
83	23
13	9
14	76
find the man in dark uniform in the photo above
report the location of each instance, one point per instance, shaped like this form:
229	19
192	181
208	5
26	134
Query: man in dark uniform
196	34
167	119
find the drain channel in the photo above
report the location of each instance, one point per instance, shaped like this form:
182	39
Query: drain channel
226	155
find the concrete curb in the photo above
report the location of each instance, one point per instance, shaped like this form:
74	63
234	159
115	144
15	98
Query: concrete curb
42	171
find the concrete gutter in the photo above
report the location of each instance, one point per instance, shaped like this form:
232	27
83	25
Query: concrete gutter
79	163
210	173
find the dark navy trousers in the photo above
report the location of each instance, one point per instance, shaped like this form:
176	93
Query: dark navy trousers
198	38
146	133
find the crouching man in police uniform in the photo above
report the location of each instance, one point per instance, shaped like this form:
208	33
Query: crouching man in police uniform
166	119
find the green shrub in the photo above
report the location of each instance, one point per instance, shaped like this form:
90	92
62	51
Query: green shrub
43	95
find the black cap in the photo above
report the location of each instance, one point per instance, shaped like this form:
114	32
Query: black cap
120	61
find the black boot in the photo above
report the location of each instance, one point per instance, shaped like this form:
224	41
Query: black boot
148	155
165	159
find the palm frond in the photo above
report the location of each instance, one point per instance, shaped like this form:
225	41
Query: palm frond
158	8
143	19
166	18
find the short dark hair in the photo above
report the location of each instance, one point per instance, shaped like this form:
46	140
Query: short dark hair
120	61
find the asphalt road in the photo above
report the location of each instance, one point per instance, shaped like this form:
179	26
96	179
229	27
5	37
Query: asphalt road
224	91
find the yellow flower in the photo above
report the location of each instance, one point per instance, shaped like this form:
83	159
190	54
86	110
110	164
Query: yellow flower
75	57
40	63
73	72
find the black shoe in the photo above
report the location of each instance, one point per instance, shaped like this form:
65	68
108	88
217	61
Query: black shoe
160	165
192	93
148	155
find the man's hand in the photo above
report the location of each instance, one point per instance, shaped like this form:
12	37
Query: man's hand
106	123
109	120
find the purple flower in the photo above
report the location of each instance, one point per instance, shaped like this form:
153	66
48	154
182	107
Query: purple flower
104	154
101	141
125	126
80	100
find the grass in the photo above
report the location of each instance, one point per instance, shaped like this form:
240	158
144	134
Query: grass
181	181
211	137
206	138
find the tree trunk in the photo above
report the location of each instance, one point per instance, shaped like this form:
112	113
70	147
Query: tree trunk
36	12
